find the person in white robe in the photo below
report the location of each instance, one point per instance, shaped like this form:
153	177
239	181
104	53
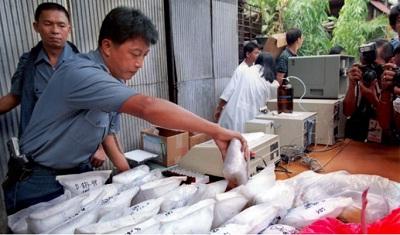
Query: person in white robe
251	90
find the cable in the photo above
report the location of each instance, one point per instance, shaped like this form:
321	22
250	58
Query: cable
336	154
312	163
325	149
290	153
304	91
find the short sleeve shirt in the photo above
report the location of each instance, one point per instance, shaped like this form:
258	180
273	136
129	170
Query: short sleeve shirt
74	113
31	78
283	60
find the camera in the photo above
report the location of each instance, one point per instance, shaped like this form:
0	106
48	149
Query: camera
370	69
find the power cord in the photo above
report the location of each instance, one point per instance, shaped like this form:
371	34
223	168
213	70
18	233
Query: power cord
304	91
312	164
291	153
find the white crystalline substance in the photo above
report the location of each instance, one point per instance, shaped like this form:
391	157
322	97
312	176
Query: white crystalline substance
157	188
17	222
132	216
308	213
131	175
84	182
280	229
227	206
178	197
231	229
151	206
150	226
235	166
257	217
191	219
206	191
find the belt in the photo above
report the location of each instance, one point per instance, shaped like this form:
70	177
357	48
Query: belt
74	170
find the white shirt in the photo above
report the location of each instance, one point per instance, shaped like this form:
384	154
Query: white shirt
248	92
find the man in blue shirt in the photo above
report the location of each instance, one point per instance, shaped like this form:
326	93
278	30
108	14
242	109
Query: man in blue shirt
76	111
35	67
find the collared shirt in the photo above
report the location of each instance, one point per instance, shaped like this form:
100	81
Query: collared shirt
72	116
31	78
44	70
283	60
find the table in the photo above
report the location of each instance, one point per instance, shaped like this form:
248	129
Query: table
354	157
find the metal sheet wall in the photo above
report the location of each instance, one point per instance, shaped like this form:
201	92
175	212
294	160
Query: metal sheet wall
191	35
17	36
205	49
225	42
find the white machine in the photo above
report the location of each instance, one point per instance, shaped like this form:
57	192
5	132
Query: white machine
206	158
259	125
297	128
328	116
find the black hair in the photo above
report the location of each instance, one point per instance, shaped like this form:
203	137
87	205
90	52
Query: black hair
292	35
387	48
249	47
50	6
336	50
123	23
266	60
394	13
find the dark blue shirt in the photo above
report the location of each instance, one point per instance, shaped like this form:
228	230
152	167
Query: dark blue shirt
283	60
74	114
31	77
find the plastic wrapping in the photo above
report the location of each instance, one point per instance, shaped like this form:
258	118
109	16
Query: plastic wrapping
235	166
84	182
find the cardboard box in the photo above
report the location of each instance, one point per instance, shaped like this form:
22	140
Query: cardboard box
170	145
275	44
197	139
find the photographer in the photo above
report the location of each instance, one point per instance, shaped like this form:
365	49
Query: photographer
365	98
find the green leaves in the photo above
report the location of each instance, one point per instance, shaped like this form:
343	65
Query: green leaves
308	16
351	29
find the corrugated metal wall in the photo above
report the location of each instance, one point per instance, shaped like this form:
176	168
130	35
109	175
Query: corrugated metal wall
17	36
225	42
191	34
205	39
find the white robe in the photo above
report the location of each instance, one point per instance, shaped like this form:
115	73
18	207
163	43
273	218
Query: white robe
248	92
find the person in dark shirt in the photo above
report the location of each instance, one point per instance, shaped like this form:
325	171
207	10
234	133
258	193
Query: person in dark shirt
294	40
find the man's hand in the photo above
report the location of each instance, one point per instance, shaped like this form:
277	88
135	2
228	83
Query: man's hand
354	74
369	92
223	139
387	76
98	157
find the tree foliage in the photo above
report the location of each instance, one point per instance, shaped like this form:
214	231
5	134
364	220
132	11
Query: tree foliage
351	28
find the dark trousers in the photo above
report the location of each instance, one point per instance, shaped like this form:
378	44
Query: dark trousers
40	186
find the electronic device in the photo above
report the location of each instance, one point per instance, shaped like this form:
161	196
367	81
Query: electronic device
297	128
328	116
259	125
206	158
325	76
